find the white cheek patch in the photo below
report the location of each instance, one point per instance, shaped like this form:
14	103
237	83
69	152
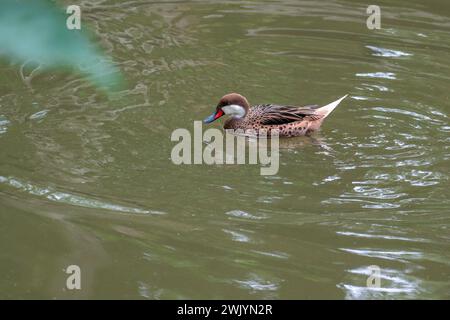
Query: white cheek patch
234	110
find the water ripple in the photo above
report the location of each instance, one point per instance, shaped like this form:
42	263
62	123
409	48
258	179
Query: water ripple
389	53
402	256
72	199
4	123
245	215
39	115
255	283
381	75
380	236
237	236
393	283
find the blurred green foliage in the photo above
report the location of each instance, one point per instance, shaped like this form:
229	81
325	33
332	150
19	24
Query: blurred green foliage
35	31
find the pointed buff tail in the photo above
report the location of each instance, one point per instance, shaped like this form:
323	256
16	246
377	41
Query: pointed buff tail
326	110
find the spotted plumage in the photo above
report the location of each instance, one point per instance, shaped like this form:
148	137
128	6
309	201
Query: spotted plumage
290	121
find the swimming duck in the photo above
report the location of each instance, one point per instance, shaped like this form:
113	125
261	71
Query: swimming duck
290	121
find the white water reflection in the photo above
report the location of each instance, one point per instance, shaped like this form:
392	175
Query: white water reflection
277	254
4	123
245	215
402	256
403	112
255	283
388	53
374	87
394	284
39	115
237	236
380	236
381	75
69	198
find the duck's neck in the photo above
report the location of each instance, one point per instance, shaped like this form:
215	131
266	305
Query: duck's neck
233	123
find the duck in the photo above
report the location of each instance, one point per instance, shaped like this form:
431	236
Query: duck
289	121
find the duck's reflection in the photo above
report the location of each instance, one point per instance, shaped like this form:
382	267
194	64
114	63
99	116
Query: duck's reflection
296	143
245	148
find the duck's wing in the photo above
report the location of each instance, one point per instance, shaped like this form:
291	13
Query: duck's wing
270	114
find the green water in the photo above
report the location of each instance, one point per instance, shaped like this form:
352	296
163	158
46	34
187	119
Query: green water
87	179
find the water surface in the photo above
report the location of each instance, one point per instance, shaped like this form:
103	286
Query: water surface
87	179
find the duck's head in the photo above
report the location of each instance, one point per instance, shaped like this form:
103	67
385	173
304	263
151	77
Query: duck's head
232	104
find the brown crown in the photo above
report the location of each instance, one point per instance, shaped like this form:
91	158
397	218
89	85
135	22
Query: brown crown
233	98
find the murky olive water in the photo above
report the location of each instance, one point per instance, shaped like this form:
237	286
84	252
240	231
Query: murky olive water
87	180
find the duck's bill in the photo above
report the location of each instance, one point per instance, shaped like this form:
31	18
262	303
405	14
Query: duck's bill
216	115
